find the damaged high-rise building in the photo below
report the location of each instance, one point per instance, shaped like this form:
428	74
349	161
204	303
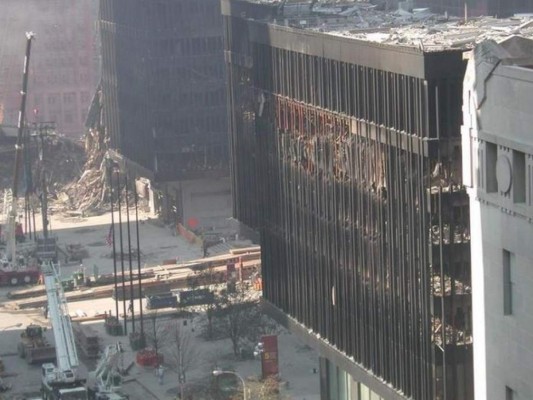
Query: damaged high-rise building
64	62
346	157
164	103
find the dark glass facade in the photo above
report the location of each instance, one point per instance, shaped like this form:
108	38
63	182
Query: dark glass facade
164	89
346	157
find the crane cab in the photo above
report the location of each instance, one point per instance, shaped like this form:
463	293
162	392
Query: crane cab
48	371
61	385
51	374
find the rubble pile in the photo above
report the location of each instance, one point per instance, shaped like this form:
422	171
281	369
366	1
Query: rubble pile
88	192
434	34
63	160
410	27
63	163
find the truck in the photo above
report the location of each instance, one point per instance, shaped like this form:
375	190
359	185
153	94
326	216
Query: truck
179	298
105	382
163	300
28	273
60	381
194	297
34	347
14	268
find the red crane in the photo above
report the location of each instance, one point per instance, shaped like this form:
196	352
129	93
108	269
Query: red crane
13	269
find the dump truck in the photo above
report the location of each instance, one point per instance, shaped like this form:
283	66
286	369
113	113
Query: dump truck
34	347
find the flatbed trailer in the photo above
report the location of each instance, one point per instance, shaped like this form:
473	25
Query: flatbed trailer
25	276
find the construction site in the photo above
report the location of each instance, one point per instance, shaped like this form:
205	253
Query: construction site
98	292
171	264
267	202
102	298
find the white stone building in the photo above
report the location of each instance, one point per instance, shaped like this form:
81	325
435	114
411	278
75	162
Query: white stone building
498	170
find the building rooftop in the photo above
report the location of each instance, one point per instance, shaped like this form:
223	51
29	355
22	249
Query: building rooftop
416	27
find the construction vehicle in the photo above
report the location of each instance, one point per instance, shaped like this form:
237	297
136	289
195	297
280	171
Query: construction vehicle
34	347
60	381
15	269
179	298
76	252
105	382
194	297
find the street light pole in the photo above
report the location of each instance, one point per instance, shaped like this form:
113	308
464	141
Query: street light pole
218	372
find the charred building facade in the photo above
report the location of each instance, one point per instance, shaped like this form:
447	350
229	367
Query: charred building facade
346	157
164	101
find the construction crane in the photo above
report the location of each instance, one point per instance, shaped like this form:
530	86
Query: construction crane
105	382
12	248
15	270
60	381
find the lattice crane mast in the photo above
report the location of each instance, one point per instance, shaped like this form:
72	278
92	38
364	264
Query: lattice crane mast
12	248
12	270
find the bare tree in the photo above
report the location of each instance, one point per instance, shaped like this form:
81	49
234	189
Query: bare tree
182	355
156	333
210	312
242	319
206	277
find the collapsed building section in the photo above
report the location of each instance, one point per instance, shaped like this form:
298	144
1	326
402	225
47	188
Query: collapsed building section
347	159
163	85
498	8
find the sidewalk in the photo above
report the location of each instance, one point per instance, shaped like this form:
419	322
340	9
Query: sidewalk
298	371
